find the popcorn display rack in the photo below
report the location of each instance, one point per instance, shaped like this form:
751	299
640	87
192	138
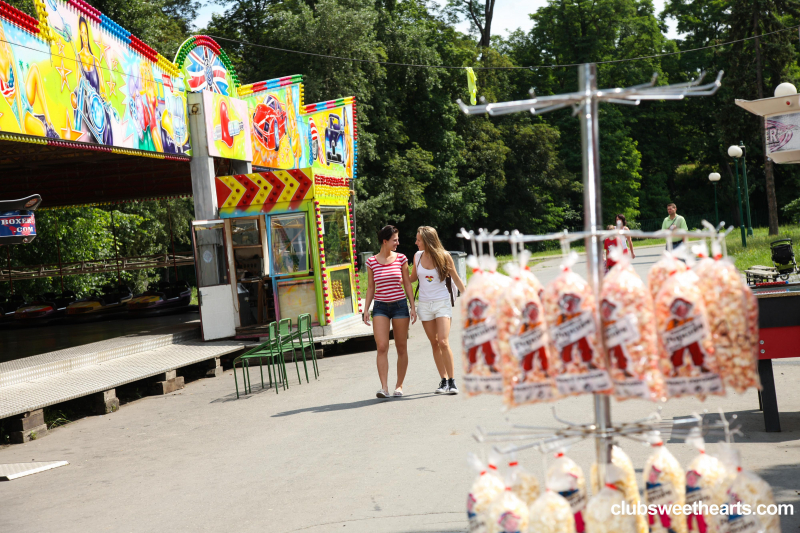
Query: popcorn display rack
585	104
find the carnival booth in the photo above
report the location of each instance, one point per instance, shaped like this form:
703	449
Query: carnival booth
288	227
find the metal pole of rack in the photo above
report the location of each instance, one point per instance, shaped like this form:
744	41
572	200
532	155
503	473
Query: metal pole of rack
593	220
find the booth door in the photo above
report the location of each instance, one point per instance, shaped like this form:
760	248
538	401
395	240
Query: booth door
213	280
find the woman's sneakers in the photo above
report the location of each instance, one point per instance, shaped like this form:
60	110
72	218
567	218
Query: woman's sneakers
451	386
447	386
382	394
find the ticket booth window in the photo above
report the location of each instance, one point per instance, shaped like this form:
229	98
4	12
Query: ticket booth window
288	244
342	293
248	252
335	235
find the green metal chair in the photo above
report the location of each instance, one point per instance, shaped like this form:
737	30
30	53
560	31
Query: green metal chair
275	361
303	328
286	342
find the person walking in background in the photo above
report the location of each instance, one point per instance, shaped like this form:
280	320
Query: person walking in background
436	272
390	286
621	223
674	221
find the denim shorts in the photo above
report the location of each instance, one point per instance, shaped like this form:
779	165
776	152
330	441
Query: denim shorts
398	309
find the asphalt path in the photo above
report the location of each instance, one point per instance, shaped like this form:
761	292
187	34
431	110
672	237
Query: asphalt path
329	456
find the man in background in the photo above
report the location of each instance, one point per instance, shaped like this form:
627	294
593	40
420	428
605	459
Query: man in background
674	221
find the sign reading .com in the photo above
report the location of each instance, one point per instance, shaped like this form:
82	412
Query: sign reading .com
17	227
699	508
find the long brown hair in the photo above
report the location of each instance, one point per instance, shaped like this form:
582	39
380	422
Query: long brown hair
434	247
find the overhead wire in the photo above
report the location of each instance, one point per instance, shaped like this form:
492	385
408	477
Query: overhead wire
532	67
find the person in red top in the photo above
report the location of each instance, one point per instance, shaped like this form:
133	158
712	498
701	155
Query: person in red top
390	286
627	243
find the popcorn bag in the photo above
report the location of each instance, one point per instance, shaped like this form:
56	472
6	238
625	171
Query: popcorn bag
730	319
749	377
524	484
508	513
551	513
628	319
662	270
578	361
600	515
486	487
664	484
566	478
624	480
479	308
747	488
686	349
706	482
523	342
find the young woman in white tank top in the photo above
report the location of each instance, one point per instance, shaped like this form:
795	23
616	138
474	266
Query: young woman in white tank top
432	266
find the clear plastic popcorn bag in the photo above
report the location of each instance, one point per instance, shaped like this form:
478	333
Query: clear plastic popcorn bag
707	479
525	485
566	477
486	487
523	340
664	485
604	512
578	362
686	348
660	272
482	373
551	513
627	316
625	481
508	513
746	489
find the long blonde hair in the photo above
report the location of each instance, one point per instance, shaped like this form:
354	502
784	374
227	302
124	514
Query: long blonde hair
434	247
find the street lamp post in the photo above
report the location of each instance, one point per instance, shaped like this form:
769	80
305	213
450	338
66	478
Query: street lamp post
746	189
735	152
714	178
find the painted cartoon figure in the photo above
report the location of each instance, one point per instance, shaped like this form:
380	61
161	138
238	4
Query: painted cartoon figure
27	101
651	483
531	319
681	311
89	100
692	486
619	353
475	315
570	305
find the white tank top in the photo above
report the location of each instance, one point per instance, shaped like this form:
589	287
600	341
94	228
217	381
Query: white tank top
431	288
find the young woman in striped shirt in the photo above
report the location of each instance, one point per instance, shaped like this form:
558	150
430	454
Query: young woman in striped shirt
390	286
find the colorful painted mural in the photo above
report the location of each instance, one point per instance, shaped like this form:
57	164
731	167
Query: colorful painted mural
329	135
206	67
227	127
77	76
275	135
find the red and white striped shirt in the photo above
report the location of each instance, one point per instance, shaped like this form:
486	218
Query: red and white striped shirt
388	278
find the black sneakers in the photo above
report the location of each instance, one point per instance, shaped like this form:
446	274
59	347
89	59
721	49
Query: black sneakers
442	387
451	386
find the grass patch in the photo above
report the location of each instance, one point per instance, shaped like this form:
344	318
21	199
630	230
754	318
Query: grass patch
757	251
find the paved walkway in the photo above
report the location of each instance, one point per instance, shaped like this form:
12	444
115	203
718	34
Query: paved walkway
325	456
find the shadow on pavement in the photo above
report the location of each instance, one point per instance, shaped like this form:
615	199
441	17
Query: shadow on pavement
353	405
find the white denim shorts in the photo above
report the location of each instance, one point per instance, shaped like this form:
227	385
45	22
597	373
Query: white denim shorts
428	311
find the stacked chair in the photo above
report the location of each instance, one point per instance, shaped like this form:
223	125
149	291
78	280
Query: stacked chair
282	339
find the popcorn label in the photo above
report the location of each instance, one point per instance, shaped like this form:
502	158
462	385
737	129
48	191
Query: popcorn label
509	522
477	525
684	335
592	381
574	330
660	494
527	343
708	384
576	499
741	524
622	331
530	391
631	388
474	383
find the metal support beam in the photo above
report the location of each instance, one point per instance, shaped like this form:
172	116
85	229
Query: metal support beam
202	165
